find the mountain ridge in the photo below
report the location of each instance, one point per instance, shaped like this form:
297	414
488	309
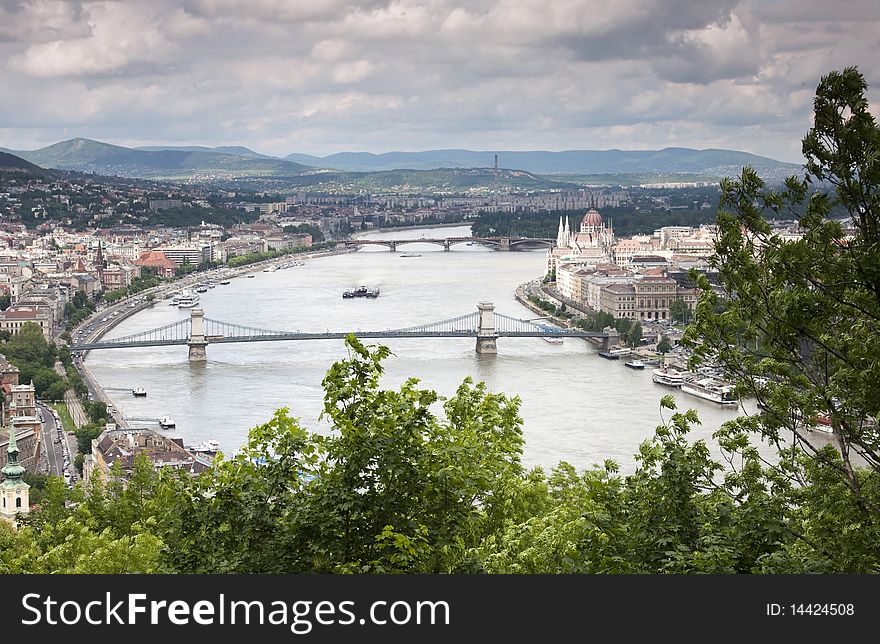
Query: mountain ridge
612	161
87	155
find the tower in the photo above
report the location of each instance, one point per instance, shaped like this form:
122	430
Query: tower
14	496
99	264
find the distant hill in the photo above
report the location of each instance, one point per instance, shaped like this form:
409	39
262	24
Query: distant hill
668	160
237	150
86	155
13	163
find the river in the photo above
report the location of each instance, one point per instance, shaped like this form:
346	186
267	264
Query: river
576	406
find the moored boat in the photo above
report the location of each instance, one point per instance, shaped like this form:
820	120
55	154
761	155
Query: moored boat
138	391
711	389
188	300
634	364
167	422
667	376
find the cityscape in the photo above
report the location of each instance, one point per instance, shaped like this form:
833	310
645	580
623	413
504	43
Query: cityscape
438	315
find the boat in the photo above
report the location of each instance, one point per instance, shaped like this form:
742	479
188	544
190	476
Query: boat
202	288
188	300
634	364
711	389
206	447
668	377
138	391
251	275
175	300
411	255
608	355
360	291
167	422
212	285
224	282
621	351
550	340
270	269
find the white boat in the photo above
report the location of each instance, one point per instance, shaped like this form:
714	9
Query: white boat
188	300
206	447
251	275
224	282
175	300
552	340
668	377
167	422
411	255
634	364
712	389
138	391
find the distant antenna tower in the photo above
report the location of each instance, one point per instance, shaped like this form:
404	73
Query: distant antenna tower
495	183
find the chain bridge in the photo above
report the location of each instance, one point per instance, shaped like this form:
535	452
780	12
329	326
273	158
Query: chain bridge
197	332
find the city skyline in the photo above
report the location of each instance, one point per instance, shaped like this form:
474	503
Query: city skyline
383	76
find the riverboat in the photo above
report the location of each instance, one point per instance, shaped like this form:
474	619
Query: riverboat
608	355
188	300
224	282
138	391
667	377
167	422
202	288
411	255
710	389
634	364
360	291
206	447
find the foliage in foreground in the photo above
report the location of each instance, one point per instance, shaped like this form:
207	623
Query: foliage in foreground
395	487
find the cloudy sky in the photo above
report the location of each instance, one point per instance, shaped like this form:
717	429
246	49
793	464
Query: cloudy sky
322	76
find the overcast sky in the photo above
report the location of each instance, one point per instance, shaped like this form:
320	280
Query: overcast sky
323	76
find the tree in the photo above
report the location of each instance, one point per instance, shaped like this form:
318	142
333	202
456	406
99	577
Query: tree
97	411
812	306
634	334
5	301
664	346
679	311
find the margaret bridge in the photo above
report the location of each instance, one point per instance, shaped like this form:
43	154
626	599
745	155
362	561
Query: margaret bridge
497	243
486	326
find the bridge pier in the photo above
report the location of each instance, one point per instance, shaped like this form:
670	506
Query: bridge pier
393	246
197	342
611	338
486	335
446	245
504	243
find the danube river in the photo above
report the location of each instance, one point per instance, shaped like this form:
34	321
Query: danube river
576	406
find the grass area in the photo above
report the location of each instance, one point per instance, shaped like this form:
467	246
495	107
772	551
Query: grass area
66	420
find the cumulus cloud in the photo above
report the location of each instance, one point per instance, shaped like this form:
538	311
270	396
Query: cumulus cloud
319	77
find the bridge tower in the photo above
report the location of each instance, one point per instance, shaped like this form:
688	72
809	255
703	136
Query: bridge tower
197	342
505	244
486	334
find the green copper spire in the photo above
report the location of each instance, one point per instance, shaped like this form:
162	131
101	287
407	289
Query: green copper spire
12	470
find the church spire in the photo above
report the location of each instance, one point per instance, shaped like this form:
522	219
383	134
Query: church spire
13	471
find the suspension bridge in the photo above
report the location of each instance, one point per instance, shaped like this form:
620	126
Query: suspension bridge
486	326
498	243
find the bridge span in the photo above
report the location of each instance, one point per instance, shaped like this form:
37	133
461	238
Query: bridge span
498	243
484	325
